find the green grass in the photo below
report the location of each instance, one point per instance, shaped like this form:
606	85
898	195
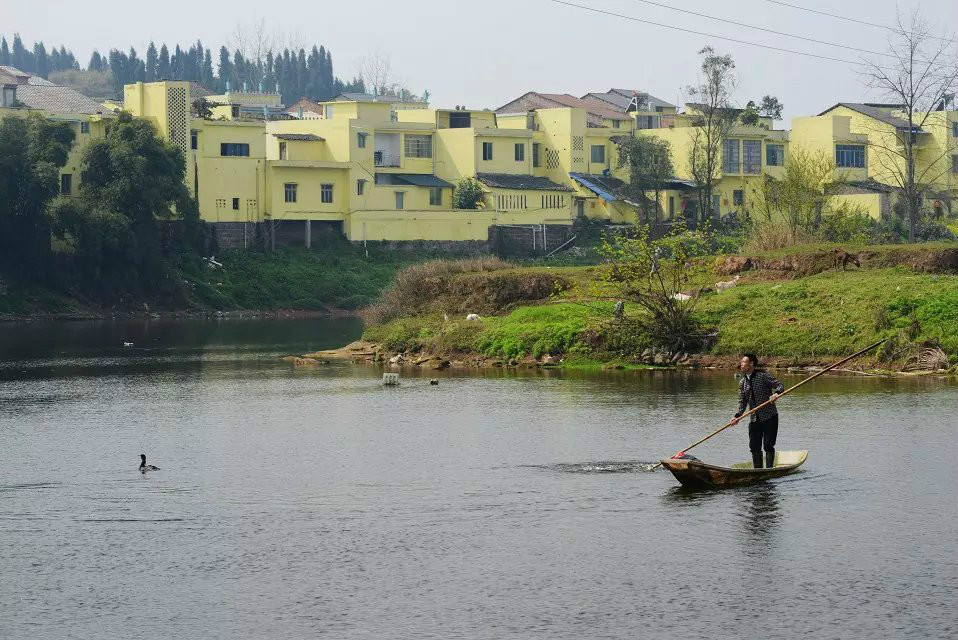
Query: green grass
826	315
340	277
831	313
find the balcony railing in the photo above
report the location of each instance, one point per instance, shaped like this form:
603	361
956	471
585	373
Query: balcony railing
746	168
383	159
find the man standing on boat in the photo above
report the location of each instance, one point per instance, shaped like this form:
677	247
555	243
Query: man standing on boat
755	388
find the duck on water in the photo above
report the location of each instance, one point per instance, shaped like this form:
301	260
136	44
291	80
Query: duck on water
146	467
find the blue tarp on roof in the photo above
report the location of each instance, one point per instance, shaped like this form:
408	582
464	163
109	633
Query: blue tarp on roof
591	183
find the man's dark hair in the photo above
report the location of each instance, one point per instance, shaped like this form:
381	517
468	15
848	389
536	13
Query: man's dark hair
752	357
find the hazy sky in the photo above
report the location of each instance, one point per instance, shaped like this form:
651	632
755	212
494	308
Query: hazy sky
483	54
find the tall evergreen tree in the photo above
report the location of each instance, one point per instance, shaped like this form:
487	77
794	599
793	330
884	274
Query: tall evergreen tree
206	73
151	63
163	64
225	69
19	56
4	52
176	63
41	63
96	62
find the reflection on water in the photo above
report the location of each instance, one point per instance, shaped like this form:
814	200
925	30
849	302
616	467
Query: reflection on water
499	504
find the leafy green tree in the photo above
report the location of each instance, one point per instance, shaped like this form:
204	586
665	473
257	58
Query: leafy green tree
649	161
770	107
131	180
750	115
660	277
467	194
32	152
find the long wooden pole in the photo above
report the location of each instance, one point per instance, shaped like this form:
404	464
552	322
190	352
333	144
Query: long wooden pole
768	402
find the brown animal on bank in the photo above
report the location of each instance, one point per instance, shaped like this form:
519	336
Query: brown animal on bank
842	259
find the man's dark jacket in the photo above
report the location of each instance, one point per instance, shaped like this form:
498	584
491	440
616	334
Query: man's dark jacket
754	389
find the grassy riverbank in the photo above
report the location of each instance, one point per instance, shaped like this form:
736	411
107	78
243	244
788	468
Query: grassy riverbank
793	319
339	276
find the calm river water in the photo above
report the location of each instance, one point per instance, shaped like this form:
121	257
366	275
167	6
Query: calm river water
316	503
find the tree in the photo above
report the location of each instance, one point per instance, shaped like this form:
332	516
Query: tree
750	115
920	79
19	56
163	71
131	178
41	62
32	152
467	194
649	161
97	63
711	125
770	107
225	70
802	198
4	52
652	274
95	84
152	61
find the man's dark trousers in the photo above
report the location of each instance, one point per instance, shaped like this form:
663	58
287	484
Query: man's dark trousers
762	434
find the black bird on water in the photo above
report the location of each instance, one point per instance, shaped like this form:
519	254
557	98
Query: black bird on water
146	467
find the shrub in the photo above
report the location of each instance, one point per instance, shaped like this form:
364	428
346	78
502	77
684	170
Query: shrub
415	288
467	194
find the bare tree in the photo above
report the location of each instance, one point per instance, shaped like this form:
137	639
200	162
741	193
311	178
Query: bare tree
711	126
377	73
921	80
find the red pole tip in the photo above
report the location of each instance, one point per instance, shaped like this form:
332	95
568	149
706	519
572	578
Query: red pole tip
679	454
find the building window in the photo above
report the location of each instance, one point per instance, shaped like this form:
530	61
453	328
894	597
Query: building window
289	192
66	183
400	198
329	111
194	140
738	198
520	152
234	111
774	155
616	124
435	196
460	120
326	193
282	150
752	151
487	151
731	159
234	149
536	160
360	187
598	153
954	164
235	204
361	140
418	146
954	129
671	207
84	127
851	156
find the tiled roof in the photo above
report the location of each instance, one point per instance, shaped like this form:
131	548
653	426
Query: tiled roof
57	99
519	181
302	137
306	104
873	111
622	98
31	79
596	109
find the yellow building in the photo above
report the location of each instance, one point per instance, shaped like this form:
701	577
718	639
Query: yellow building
866	141
21	93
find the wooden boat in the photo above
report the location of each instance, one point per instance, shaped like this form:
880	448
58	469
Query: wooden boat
695	473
